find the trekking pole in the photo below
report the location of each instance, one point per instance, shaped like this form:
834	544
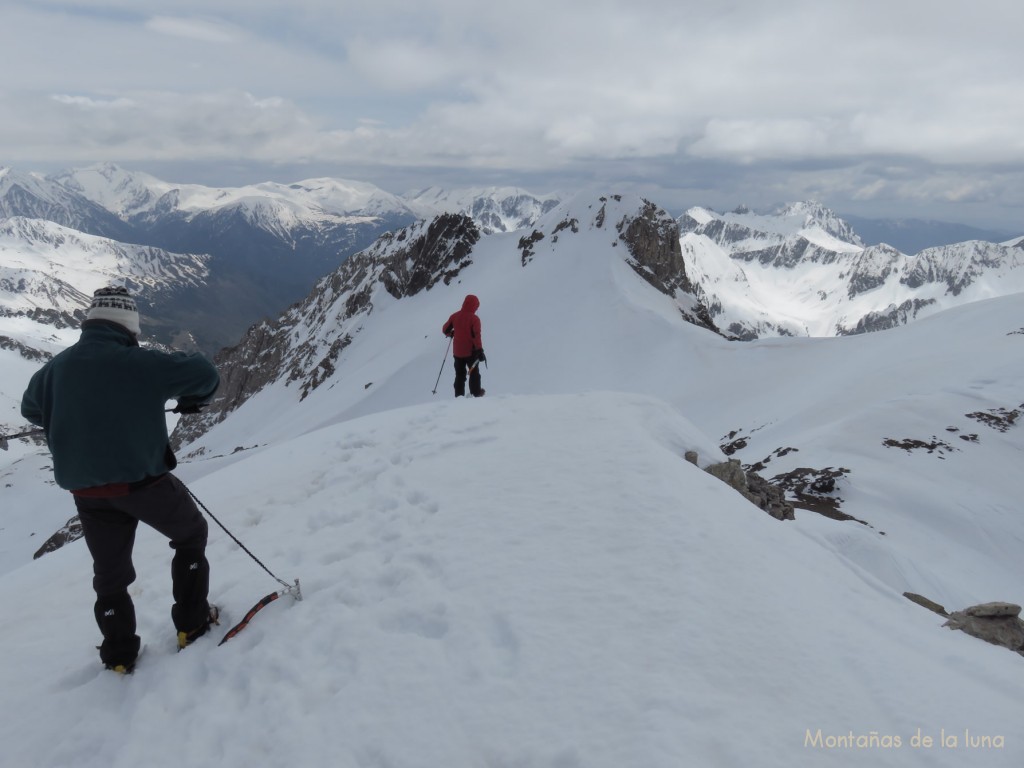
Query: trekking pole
442	365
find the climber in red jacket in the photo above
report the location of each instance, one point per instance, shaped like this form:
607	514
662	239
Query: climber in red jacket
467	347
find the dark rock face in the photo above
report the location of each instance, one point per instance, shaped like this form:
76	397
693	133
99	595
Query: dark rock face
72	531
892	317
438	254
757	490
652	238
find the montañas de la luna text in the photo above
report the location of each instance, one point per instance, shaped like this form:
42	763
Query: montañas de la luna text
919	740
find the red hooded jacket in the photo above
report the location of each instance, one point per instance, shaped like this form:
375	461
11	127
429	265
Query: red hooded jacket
465	326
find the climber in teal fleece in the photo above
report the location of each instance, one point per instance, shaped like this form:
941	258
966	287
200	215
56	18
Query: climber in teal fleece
101	404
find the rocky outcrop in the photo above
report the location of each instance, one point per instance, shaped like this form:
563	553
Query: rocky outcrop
996	623
754	488
892	316
72	531
418	259
652	237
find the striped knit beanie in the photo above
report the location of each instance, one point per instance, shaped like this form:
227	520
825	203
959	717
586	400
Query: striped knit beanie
116	305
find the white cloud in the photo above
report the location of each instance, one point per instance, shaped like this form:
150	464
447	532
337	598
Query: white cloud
538	86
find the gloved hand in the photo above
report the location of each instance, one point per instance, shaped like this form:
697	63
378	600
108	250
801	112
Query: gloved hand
480	356
179	408
450	333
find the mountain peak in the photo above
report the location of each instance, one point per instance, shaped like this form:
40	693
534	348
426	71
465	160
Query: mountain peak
812	215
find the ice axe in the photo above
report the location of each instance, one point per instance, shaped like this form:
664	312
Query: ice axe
476	364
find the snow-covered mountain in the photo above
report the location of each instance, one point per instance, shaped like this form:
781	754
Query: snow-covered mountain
266	243
540	577
797	270
32	196
47	275
492	209
802	270
135	196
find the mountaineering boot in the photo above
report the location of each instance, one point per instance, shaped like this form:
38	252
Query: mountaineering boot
187	638
122	669
126	668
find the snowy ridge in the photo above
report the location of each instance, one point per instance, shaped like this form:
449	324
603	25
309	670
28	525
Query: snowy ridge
583	239
494	209
129	193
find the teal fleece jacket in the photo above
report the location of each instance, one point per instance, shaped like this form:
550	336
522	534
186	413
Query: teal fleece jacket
101	403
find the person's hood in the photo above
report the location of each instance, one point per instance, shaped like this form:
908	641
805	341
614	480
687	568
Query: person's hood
471	303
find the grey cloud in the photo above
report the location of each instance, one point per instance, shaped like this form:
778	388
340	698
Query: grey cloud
795	97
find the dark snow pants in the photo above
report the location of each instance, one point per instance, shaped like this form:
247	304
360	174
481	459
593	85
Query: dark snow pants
461	366
109	524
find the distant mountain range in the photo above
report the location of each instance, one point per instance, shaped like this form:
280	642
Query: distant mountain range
263	246
210	264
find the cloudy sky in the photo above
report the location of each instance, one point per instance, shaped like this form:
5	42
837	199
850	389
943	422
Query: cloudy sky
879	108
